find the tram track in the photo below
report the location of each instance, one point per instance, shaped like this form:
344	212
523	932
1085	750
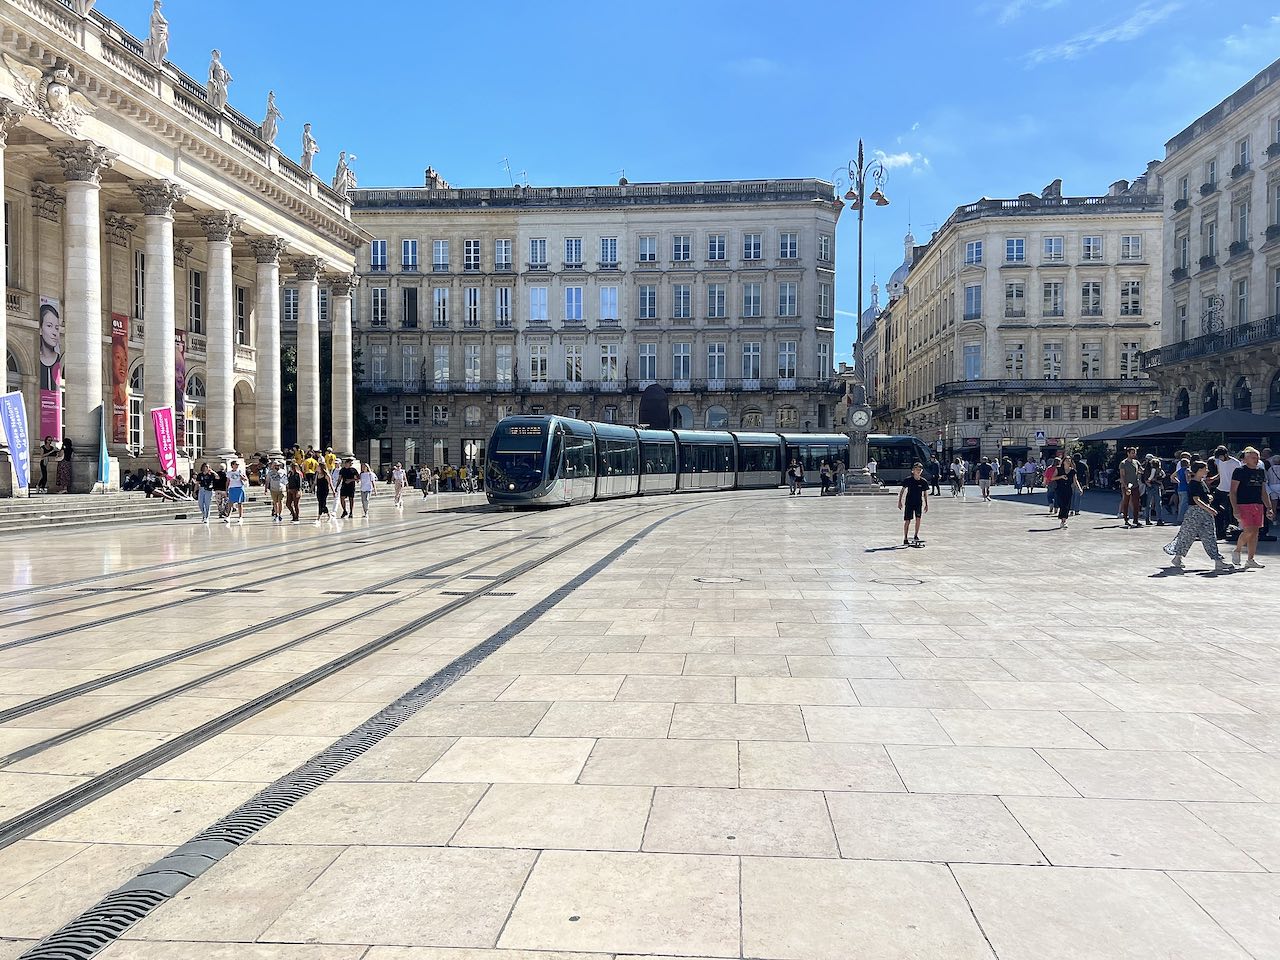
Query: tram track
92	686
411	537
67	802
284	547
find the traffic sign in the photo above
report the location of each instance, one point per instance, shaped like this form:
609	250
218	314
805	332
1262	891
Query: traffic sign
1040	437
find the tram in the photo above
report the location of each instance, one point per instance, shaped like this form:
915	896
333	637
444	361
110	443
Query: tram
548	461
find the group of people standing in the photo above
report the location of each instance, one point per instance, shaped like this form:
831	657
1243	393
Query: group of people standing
831	476
58	457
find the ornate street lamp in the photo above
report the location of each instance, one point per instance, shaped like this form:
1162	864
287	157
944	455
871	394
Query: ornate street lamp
861	176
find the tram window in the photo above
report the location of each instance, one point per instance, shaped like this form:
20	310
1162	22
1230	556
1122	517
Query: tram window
579	458
618	458
759	460
725	456
892	456
658	457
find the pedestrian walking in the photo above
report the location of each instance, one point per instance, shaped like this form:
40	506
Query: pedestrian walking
323	490
913	501
348	478
275	480
985	472
933	473
237	481
840	470
1152	483
205	480
1130	488
1222	470
1198	524
873	468
64	466
220	505
1251	503
795	478
309	466
1065	485
398	480
824	478
293	492
1050	492
366	488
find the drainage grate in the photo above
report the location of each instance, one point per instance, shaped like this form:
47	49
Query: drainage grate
478	576
336	593
898	581
382	593
718	580
99	926
111	589
430	576
454	593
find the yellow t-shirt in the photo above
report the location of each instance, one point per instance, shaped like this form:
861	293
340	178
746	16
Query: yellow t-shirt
297	457
309	465
330	461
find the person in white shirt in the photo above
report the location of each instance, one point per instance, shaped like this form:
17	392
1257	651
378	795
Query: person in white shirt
1222	468
366	487
236	482
871	468
398	481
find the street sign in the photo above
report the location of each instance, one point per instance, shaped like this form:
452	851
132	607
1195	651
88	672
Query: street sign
1040	438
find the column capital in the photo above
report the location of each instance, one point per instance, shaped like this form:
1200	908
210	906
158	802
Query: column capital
308	268
10	113
119	229
157	196
83	161
46	201
267	249
220	225
342	283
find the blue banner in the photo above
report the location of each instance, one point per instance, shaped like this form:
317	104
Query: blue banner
104	462
14	414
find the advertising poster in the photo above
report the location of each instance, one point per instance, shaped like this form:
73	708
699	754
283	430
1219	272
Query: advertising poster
119	378
179	382
50	334
13	411
166	446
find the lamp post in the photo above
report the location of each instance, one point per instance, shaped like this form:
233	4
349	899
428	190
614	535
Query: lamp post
861	175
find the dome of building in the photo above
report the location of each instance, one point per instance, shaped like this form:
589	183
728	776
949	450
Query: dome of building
872	313
898	281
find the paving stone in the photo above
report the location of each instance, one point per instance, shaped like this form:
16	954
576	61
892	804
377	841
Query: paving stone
511	760
781	823
558	816
1247	906
689	763
1142	775
816	766
978	770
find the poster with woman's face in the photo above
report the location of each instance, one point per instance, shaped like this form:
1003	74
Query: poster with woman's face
50	350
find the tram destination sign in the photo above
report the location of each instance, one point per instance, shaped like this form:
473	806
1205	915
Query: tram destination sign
525	430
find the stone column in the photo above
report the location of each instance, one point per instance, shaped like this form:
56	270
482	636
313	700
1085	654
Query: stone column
340	322
157	198
307	269
220	335
10	113
266	319
82	163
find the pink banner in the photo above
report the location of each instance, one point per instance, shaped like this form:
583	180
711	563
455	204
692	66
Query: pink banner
180	383
166	446
119	378
50	347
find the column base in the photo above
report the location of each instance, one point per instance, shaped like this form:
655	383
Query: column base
9	477
84	476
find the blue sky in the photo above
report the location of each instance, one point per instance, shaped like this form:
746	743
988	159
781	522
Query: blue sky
964	99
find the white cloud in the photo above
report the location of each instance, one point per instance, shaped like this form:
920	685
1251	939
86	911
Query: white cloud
845	313
1010	10
904	159
1145	17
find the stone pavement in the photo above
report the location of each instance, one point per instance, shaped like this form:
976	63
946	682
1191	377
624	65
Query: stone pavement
765	730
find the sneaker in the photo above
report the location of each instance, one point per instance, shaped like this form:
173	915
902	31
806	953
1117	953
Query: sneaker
904	542
1126	524
1252	564
1176	562
1235	556
1221	566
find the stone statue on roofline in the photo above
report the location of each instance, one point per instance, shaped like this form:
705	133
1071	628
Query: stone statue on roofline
83	7
219	80
344	178
157	45
271	122
309	147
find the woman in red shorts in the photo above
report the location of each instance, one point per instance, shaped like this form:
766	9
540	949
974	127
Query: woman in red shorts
1249	500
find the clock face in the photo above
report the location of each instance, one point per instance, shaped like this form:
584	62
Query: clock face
860	418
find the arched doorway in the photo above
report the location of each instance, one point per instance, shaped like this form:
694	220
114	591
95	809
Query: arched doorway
1241	395
245	416
1209	397
193	415
716	418
13	373
1273	393
1182	407
682	417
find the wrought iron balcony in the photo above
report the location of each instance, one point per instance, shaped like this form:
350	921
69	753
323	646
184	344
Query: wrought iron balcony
968	388
1253	333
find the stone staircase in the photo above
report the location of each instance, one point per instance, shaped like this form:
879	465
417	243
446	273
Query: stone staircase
44	511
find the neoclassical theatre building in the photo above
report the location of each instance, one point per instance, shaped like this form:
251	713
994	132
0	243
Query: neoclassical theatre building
151	233
478	303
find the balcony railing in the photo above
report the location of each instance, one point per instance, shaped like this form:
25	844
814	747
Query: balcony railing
963	388
1248	334
715	385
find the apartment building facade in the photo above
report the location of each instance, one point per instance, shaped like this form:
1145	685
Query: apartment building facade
479	303
1026	319
1220	344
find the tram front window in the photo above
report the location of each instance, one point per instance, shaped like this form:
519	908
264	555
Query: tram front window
518	457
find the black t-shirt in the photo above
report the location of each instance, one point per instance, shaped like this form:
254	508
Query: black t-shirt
219	481
293	481
322	482
1064	480
1249	484
916	488
984	471
206	480
348	476
1198	489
